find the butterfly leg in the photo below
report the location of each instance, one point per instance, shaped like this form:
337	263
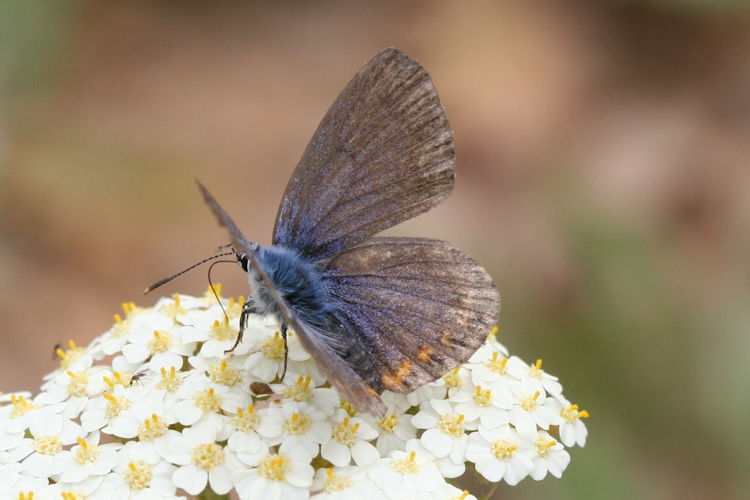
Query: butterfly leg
286	348
247	308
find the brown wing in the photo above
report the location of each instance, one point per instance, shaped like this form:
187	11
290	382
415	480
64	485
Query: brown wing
419	305
381	155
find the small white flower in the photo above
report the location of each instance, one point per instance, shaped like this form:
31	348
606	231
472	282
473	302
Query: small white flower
200	460
550	457
406	475
89	458
304	428
49	437
343	483
488	405
444	434
498	369
247	446
140	476
160	348
121	412
275	477
534	372
201	400
571	428
302	389
500	453
395	428
529	410
350	441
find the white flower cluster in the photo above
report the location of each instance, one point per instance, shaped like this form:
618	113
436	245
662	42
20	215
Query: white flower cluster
154	408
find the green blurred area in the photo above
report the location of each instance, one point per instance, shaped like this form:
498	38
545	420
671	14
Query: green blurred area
603	159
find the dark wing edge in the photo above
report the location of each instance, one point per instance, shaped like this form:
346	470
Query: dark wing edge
238	238
420	306
382	154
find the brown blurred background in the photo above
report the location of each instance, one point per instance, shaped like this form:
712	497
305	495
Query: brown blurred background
603	154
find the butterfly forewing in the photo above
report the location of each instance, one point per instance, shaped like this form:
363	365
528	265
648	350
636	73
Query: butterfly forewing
420	306
381	155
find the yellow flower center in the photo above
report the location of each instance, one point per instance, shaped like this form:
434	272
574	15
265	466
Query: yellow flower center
221	330
120	327
535	370
117	379
346	433
298	424
223	374
47	445
77	384
406	465
246	420
207	401
273	348
571	413
336	482
86	452
348	407
529	403
71	355
388	422
451	424
174	309
138	475
503	449
542	445
115	405
300	391
497	365
170	381
152	428
452	378
274	467
483	397
20	406
208	455
160	342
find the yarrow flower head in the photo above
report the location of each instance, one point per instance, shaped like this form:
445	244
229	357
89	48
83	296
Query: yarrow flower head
155	408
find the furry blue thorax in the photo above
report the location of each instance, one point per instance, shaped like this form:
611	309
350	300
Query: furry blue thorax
298	281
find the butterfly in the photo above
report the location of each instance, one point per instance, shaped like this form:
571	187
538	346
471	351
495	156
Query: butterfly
375	313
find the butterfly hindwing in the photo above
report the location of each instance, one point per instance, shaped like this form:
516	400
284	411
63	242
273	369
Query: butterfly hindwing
419	305
382	154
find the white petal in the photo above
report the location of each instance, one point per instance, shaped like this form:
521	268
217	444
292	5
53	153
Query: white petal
437	442
219	480
190	478
336	453
364	453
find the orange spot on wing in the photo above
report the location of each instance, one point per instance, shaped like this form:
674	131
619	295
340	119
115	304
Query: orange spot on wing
425	354
396	379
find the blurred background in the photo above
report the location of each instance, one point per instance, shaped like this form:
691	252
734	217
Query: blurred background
603	154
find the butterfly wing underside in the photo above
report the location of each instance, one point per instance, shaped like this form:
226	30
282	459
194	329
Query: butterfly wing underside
349	383
420	306
382	154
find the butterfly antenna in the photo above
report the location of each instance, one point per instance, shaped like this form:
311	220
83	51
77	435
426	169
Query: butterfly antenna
211	284
170	278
